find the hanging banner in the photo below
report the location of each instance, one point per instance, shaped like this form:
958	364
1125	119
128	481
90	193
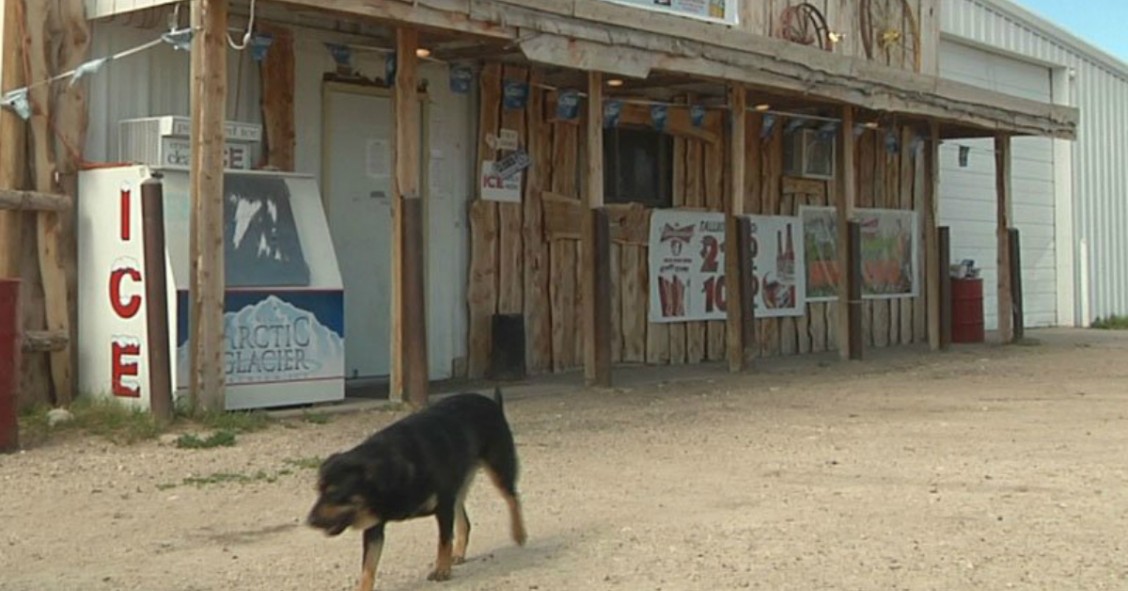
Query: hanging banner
780	280
890	247
499	188
687	266
722	11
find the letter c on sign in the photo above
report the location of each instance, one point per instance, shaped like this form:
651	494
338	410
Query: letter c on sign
129	308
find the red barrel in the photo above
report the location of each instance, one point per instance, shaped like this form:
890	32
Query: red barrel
10	347
967	311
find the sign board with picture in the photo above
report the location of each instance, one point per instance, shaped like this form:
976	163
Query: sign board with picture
890	247
779	280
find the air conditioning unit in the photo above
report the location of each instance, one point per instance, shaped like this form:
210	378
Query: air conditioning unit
165	141
809	153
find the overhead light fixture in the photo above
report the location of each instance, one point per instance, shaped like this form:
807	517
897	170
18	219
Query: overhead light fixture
615	82
762	107
423	53
872	124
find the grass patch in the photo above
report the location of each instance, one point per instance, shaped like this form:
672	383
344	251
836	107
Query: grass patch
104	417
310	463
1114	322
316	417
221	438
234	421
217	478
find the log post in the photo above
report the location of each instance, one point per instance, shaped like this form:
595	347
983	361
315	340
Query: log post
932	268
736	314
409	319
1003	217
597	301
845	198
853	278
945	245
12	138
156	300
1016	284
10	357
208	280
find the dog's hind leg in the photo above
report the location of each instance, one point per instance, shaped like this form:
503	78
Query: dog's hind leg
461	523
444	514
373	548
502	468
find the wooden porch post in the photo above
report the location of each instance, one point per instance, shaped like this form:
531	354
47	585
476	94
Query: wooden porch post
734	271
845	199
932	270
409	317
12	139
597	301
208	280
1003	188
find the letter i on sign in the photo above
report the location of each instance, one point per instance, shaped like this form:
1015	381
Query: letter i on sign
125	212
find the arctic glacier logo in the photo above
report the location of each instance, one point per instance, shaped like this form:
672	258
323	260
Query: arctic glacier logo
275	341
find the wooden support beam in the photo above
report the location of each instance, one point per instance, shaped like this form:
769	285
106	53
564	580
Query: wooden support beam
41	341
20	201
1002	218
156	300
944	243
596	295
278	86
208	278
853	278
13	150
409	319
1016	284
845	199
736	314
932	268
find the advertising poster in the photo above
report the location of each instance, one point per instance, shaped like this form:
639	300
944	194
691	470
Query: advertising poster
687	266
779	279
889	253
724	11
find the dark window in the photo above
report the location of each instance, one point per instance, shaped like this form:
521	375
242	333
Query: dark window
638	167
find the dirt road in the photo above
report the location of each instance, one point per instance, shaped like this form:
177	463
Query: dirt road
979	469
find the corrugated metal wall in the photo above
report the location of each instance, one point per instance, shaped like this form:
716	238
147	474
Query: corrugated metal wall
1100	156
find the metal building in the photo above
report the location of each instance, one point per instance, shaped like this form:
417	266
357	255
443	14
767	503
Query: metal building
1070	198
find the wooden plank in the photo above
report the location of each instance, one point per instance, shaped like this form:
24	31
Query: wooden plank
511	281
906	202
634	277
921	186
1003	200
13	158
770	328
277	78
867	144
449	15
40	341
596	269
484	232
845	198
930	207
695	334
616	303
20	201
563	293
752	163
538	321
409	321
736	314
209	87
879	309
803	340
788	327
678	123
678	330
49	235
715	162
818	312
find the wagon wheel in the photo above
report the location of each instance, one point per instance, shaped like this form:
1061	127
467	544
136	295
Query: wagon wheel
805	25
888	28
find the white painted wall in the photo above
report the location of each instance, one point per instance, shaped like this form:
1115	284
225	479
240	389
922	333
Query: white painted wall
968	201
1092	185
156	82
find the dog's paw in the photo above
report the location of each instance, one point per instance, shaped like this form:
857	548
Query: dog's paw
456	559
439	575
520	536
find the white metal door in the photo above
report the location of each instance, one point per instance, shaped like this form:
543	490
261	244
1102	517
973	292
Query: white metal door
968	194
358	141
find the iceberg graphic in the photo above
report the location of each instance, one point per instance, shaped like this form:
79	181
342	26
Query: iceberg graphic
274	341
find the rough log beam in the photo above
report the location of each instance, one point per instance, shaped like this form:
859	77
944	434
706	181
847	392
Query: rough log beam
448	15
39	341
32	201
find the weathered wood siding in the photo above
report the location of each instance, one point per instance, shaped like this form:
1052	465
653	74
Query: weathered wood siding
551	214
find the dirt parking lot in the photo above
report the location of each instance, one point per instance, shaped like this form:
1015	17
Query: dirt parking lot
983	468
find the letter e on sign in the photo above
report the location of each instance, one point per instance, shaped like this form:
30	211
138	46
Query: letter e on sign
123	364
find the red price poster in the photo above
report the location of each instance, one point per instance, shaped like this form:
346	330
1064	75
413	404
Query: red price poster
779	279
687	266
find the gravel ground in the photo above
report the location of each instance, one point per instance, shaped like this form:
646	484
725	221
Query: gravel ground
984	468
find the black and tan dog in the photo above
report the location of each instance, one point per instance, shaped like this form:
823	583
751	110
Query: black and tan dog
420	465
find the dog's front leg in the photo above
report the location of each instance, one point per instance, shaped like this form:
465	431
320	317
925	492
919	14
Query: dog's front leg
373	548
444	513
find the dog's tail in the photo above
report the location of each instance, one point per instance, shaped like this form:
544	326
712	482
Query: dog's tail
498	399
